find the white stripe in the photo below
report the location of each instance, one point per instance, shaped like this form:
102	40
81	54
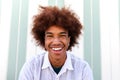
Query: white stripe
18	39
4	36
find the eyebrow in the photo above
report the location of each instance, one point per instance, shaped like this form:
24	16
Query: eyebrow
48	32
63	32
52	33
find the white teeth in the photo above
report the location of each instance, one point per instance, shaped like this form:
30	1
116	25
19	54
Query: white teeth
56	48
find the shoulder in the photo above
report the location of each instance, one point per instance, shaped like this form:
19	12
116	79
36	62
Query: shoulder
34	62
36	59
76	61
80	65
31	66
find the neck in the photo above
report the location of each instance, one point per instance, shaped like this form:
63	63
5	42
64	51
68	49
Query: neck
57	62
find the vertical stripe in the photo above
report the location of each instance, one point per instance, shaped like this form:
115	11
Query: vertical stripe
119	18
92	36
87	31
23	36
13	41
60	3
18	34
119	27
0	10
96	41
51	2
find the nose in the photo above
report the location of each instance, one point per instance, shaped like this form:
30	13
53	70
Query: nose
56	42
56	39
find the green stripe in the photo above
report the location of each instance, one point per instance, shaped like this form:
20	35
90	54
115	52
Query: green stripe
51	2
96	41
87	32
92	36
13	41
60	3
18	34
23	35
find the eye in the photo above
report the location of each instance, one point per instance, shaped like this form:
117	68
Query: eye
63	36
48	37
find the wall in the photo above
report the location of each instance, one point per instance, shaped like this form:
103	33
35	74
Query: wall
99	44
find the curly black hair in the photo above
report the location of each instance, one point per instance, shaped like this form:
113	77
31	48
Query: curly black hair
52	15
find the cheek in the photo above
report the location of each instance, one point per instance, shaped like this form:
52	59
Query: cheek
47	43
68	41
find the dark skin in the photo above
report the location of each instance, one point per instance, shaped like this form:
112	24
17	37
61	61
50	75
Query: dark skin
56	43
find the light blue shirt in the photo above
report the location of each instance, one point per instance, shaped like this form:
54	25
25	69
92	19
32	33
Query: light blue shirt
39	68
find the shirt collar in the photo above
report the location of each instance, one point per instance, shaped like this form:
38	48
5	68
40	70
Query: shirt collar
67	65
68	62
46	62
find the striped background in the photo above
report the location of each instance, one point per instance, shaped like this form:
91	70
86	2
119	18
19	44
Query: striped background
99	43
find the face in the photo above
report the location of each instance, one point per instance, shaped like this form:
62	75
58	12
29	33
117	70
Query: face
56	42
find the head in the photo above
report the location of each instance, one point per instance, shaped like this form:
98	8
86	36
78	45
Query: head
63	19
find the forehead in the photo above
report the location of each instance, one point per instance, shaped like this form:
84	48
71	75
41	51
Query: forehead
56	29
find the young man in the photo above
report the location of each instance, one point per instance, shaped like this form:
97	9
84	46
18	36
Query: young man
57	31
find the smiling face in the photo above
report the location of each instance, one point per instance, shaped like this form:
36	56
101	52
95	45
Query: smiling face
56	42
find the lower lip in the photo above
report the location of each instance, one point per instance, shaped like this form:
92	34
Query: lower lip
57	51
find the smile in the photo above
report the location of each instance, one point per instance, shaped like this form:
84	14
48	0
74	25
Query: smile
57	49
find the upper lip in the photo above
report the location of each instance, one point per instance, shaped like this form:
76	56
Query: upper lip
56	46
